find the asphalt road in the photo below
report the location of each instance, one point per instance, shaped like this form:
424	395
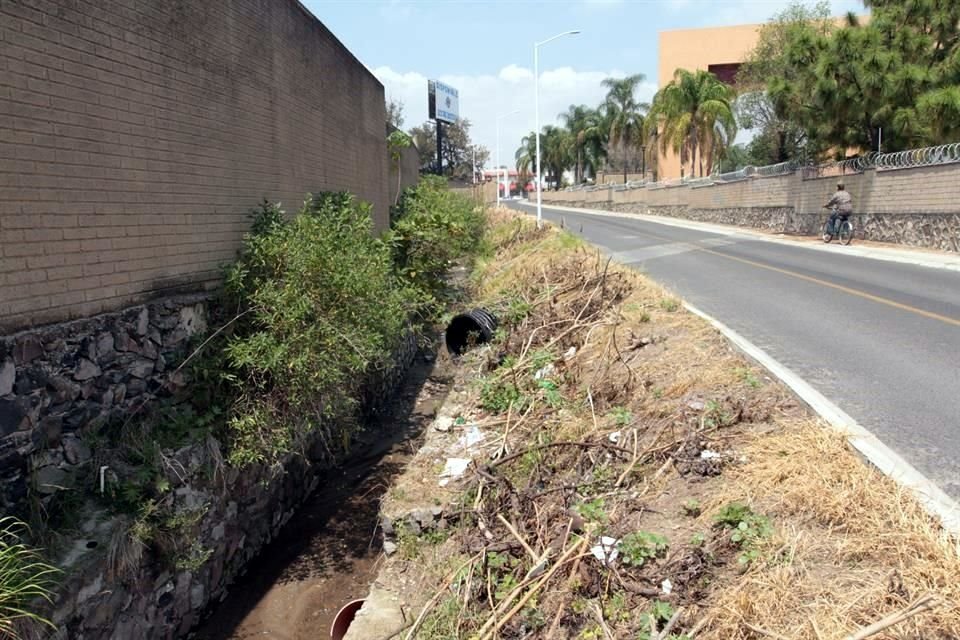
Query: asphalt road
879	339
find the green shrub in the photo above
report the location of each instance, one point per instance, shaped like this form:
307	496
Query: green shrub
323	307
430	228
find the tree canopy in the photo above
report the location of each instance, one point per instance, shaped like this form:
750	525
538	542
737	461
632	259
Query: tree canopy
459	151
693	114
899	73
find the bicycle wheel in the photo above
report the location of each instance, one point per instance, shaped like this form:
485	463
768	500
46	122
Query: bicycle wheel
846	233
826	232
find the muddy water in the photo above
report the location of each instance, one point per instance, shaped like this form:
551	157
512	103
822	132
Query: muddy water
327	554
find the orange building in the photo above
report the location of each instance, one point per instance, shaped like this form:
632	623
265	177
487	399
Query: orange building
720	50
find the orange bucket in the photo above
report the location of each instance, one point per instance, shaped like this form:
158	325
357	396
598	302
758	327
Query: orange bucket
343	619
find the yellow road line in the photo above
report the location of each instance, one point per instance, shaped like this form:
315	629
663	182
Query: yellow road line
839	287
824	283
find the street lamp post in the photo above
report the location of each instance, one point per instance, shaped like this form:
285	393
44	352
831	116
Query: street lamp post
536	108
499	118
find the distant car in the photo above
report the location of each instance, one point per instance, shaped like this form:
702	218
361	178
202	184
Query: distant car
517	198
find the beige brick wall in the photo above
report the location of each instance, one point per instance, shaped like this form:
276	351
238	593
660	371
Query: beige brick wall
907	191
135	136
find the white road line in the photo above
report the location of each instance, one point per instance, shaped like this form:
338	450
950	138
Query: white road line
889	462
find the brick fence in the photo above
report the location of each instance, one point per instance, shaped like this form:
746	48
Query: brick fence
919	206
135	136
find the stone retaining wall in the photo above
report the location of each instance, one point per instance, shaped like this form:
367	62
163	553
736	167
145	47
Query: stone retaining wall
59	379
242	512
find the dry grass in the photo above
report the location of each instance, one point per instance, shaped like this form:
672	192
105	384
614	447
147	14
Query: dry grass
639	408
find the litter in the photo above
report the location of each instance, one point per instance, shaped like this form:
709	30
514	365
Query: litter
707	454
606	552
454	468
666	586
472	436
614	437
443	423
572	351
546	371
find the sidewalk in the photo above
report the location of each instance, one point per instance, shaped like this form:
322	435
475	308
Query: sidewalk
929	258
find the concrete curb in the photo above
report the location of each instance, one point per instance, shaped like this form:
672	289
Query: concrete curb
902	256
890	463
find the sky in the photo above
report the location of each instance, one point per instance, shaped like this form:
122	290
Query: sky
485	50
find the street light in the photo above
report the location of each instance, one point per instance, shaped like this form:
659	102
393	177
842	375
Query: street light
499	118
536	108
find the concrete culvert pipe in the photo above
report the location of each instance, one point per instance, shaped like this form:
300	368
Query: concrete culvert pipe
470	329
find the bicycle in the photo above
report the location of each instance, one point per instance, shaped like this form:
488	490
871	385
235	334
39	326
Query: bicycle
844	233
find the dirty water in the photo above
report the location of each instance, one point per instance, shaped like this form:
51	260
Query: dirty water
328	554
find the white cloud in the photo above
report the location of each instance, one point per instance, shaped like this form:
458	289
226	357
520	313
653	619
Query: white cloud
483	97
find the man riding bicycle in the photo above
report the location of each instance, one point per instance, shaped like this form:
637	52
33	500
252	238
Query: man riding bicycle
842	205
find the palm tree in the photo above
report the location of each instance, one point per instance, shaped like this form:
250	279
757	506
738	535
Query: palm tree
588	134
555	152
625	117
556	145
694	113
526	155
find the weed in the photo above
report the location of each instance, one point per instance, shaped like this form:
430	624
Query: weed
748	529
551	393
517	309
644	317
748	377
593	511
540	359
441	623
193	558
714	415
637	548
497	396
616	609
698	539
691	508
621	416
669	304
436	536
658	614
24	578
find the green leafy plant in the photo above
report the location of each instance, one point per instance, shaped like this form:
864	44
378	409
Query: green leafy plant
24	578
749	377
551	392
322	307
637	548
659	613
497	396
691	507
669	304
748	529
698	539
621	416
431	227
593	511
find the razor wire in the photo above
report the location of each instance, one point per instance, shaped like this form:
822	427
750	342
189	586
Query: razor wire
911	158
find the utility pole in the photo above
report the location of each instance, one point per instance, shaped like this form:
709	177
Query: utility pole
439	148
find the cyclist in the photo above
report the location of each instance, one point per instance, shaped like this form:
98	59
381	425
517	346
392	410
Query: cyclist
842	204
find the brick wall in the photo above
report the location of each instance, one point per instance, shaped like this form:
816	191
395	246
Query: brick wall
918	206
135	136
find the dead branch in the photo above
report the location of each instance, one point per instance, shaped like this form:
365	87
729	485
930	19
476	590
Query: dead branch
918	606
533	554
582	445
